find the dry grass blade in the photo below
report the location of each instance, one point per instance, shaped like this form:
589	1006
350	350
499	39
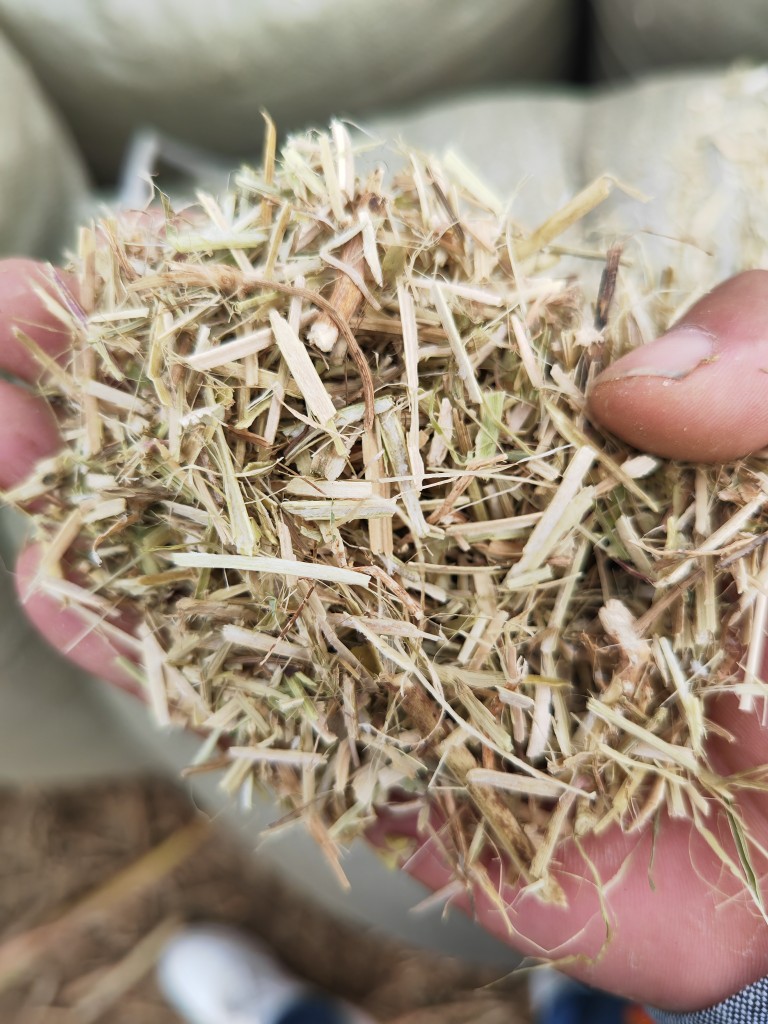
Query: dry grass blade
333	454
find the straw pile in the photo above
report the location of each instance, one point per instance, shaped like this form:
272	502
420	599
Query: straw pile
326	443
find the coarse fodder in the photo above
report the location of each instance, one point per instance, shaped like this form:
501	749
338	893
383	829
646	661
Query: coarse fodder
326	444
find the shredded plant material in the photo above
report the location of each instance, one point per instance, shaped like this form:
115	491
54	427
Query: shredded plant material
326	443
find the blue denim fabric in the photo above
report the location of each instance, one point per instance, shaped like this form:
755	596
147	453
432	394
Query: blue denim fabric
750	1006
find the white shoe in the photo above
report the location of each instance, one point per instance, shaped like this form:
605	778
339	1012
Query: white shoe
211	974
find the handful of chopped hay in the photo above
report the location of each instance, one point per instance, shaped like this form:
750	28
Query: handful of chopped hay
326	441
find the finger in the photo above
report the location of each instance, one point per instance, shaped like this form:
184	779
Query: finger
738	749
700	392
97	642
21	308
628	901
29	434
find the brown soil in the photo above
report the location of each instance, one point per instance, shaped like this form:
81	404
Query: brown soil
84	911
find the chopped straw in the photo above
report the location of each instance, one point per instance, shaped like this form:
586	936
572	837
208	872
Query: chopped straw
327	442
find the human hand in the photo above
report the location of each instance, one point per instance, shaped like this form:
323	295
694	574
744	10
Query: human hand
668	924
31	434
683	933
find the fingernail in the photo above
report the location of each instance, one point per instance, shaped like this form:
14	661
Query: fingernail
674	355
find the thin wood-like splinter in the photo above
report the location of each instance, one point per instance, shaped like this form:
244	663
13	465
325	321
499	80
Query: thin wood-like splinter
346	298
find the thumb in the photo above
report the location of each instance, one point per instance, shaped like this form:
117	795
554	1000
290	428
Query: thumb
699	392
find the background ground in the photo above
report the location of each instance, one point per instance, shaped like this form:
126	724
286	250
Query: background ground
94	879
